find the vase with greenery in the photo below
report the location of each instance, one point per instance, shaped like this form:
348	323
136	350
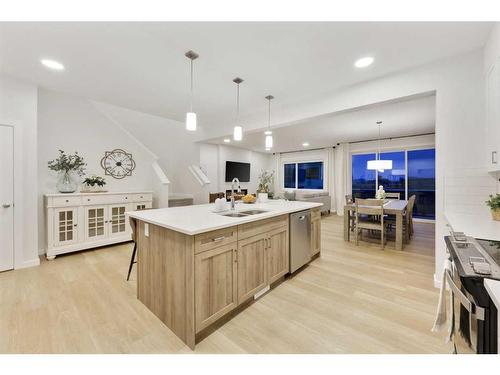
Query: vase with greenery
94	183
494	204
67	165
265	181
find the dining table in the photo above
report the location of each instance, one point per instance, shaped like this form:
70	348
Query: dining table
396	207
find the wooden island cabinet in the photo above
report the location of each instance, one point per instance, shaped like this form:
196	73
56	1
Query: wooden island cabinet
192	281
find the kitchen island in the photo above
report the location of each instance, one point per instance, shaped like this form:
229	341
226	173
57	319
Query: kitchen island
195	266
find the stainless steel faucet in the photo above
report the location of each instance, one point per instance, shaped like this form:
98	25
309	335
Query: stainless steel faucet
235	180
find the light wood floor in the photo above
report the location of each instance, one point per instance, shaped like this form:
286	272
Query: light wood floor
351	300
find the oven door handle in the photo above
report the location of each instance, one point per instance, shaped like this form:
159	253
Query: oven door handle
471	307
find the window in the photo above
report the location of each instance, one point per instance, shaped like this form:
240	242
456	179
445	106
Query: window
290	176
307	175
422	182
363	180
394	180
413	173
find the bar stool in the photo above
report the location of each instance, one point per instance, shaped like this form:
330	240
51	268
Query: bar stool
132	259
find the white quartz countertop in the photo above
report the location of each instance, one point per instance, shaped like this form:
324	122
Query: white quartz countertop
493	288
197	219
474	225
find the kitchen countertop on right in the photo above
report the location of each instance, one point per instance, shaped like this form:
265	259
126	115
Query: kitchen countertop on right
474	225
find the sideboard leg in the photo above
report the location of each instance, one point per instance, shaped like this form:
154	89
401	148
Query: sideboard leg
51	257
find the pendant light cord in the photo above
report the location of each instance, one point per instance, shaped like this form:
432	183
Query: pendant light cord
192	96
237	104
269	115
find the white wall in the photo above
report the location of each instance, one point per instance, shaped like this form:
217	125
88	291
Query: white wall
168	139
18	108
213	160
74	124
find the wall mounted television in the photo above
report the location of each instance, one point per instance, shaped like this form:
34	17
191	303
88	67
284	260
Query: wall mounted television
239	170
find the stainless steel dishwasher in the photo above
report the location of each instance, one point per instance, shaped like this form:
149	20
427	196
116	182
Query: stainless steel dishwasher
300	239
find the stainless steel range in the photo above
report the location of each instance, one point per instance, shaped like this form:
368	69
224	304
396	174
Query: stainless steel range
475	315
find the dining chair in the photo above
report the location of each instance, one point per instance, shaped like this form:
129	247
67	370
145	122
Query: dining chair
213	196
348	201
392	196
370	208
407	220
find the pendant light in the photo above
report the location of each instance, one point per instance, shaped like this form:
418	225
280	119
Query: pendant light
377	164
238	130
268	132
191	116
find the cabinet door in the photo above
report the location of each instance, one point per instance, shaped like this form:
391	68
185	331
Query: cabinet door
251	266
65	226
215	284
95	223
277	255
117	223
315	236
493	115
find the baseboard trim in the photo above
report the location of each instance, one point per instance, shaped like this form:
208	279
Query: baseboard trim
29	263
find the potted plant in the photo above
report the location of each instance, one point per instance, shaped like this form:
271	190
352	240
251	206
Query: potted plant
494	204
265	181
94	183
67	166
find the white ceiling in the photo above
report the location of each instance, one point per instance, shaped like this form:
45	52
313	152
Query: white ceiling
409	116
141	66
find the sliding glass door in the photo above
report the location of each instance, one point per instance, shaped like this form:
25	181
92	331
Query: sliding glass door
422	182
363	180
394	180
412	173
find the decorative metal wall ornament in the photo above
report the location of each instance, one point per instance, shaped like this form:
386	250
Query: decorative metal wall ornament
118	163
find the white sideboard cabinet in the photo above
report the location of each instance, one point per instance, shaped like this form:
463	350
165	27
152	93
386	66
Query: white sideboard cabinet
80	221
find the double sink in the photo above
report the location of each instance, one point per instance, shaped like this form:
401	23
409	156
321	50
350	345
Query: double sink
243	213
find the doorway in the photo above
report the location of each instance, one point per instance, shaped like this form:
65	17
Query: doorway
6	198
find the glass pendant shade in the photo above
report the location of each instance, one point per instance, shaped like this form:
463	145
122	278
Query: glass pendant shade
379	164
238	133
269	141
191	121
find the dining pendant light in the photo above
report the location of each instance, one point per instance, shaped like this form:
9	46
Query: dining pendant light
268	132
191	116
378	164
238	130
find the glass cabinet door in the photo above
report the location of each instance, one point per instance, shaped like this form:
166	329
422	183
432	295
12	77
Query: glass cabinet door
96	219
117	221
66	223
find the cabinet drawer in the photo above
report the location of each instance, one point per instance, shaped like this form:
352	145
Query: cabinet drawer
146	197
261	226
66	201
106	199
213	239
315	213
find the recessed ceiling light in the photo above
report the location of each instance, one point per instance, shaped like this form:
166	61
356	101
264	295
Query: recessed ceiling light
364	62
305	144
52	64
227	140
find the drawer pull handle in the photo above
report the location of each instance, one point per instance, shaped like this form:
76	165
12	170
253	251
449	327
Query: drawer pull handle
217	239
494	159
67	200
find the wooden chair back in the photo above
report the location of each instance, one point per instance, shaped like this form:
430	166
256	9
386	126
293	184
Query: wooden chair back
411	204
392	196
213	196
369	206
